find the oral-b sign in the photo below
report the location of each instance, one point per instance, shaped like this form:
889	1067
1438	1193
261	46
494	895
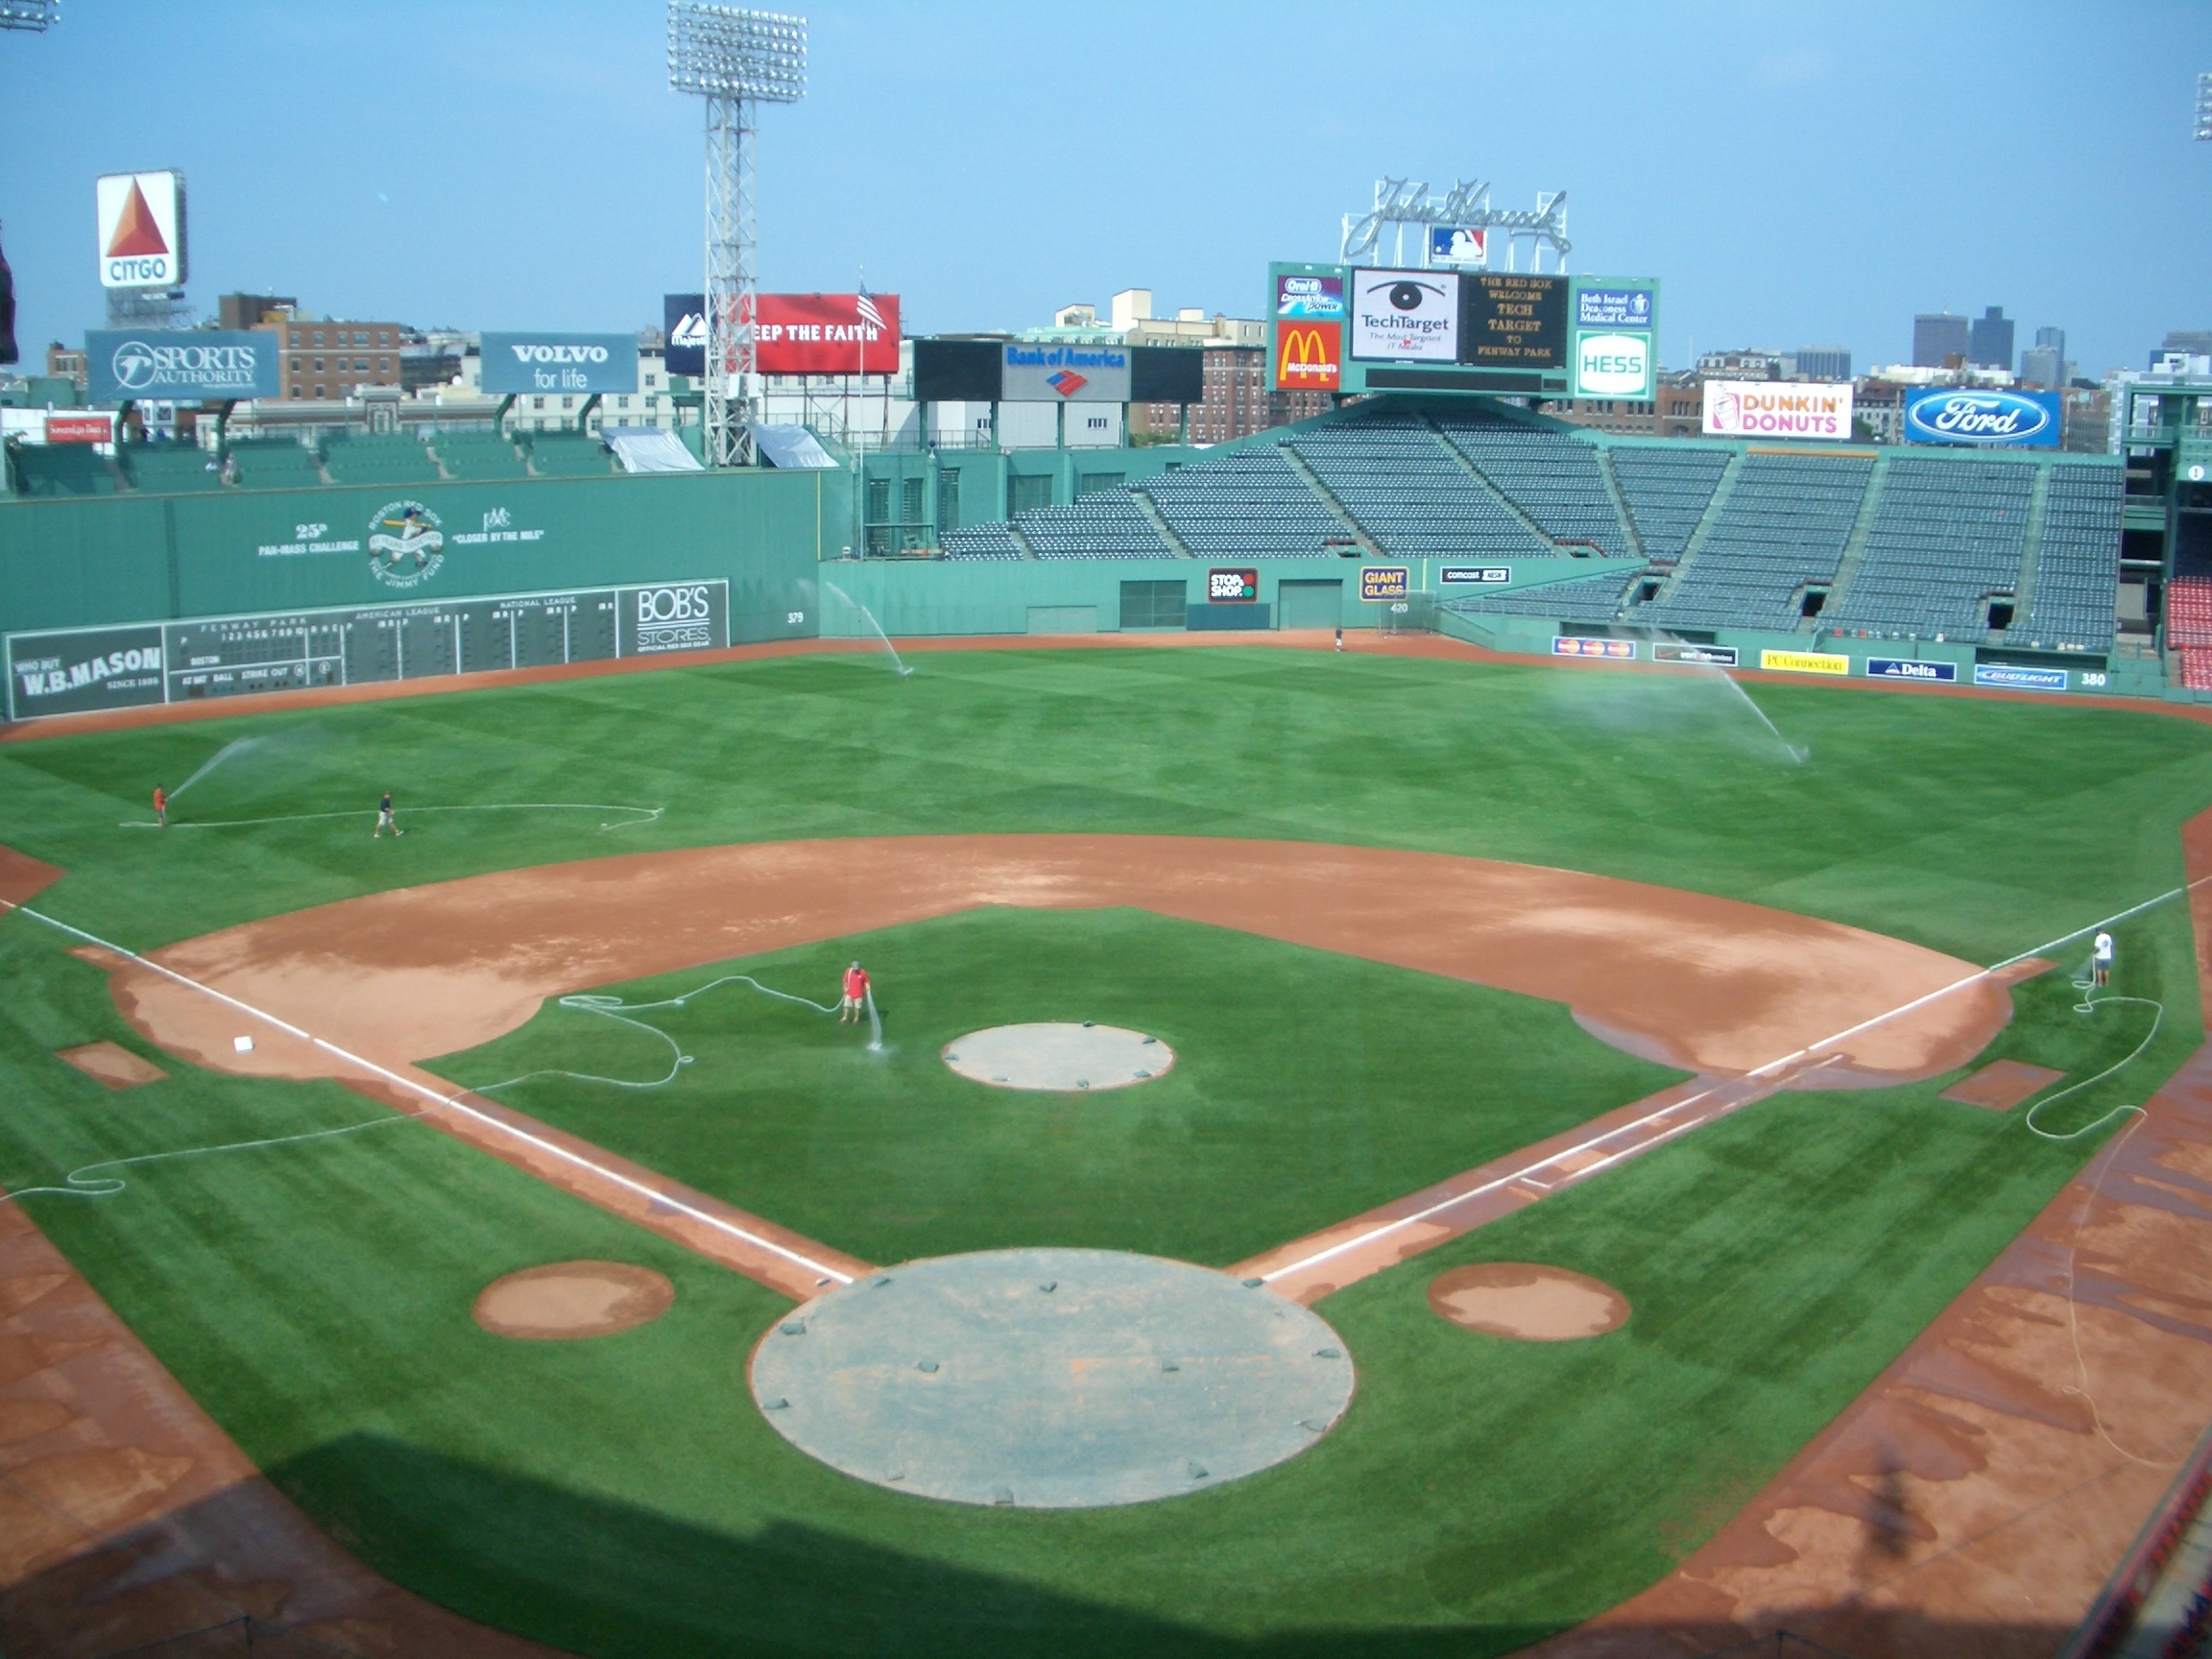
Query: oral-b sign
564	363
1983	419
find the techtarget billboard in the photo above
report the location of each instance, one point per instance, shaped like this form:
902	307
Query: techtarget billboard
1406	315
187	365
569	363
1986	419
1777	409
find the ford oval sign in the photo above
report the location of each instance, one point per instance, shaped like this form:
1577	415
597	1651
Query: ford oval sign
2010	420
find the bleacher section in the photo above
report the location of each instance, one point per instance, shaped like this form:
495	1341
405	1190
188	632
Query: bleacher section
1783	527
566	456
980	542
64	470
1106	525
1593	599
1945	539
275	464
2078	579
170	468
1549	475
478	455
1393	474
378	458
1666	490
1250	504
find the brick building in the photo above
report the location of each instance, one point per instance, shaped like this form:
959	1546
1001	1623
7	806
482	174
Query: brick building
325	359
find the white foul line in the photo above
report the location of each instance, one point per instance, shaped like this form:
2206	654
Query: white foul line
1385	1228
454	1101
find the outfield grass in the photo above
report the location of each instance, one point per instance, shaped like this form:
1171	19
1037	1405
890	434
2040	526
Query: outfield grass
621	1497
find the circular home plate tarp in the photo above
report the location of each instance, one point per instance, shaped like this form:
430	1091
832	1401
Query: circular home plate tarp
1051	1379
1059	1055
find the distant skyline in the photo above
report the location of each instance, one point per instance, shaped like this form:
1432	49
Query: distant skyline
1793	174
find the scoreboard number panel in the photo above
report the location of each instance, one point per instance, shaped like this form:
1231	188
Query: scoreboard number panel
70	671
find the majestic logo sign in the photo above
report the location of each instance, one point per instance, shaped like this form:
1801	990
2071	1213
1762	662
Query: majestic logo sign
1308	356
192	364
684	325
141	230
1612	365
2009	419
406	544
1406	315
1309	297
1231	587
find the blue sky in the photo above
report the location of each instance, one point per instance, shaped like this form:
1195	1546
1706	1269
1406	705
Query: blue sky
1793	173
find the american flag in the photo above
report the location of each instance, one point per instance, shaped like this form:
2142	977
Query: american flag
867	307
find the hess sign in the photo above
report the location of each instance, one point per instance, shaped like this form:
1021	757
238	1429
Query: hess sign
1231	587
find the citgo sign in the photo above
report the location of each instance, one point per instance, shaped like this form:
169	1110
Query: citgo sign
1612	365
1308	356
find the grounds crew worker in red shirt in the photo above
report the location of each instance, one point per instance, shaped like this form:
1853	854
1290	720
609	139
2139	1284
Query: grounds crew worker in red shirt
160	806
856	995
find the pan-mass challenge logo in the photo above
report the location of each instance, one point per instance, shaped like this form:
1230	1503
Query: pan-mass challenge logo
406	544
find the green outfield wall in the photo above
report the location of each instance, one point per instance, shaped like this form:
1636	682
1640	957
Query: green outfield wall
1125	595
95	561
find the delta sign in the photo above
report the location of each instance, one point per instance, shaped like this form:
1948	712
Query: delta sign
141	230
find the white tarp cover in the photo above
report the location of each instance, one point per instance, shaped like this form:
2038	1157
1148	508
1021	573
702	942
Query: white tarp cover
791	446
650	449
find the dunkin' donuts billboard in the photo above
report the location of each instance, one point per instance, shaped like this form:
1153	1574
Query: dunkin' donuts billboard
1777	409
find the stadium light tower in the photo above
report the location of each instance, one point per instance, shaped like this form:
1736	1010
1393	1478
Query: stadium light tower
35	14
737	61
2204	109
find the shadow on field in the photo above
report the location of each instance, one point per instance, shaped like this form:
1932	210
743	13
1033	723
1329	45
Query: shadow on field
604	1578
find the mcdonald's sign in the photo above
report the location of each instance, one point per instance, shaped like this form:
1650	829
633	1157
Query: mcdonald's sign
1308	356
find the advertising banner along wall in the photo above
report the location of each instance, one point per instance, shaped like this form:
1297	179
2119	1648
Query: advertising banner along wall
141	230
167	365
1777	409
1990	420
567	363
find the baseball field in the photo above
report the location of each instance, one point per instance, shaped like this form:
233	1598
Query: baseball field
1396	919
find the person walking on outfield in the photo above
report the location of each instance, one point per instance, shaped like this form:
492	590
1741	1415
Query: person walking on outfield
2101	960
385	820
160	806
856	995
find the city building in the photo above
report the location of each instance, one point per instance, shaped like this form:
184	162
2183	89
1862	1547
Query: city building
67	363
2182	342
1740	365
1989	344
252	310
1238	398
325	359
1823	363
1938	338
1878	410
1632	415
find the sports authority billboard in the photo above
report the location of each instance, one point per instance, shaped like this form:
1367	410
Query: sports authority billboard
1064	374
1308	356
141	230
829	334
166	365
1777	409
1612	363
1513	322
1983	419
1406	315
683	325
569	363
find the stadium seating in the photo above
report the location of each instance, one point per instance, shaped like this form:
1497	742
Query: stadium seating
1108	524
170	468
982	542
2189	610
275	464
1592	599
1945	539
1250	504
1552	476
566	455
1397	479
1783	527
64	470
378	458
478	455
1666	490
2078	577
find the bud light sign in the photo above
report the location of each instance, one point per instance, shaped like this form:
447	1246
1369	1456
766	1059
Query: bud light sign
1983	419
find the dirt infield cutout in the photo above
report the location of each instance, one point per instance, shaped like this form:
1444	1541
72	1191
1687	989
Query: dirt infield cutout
1528	1302
111	1064
567	1300
2001	1084
1059	1055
